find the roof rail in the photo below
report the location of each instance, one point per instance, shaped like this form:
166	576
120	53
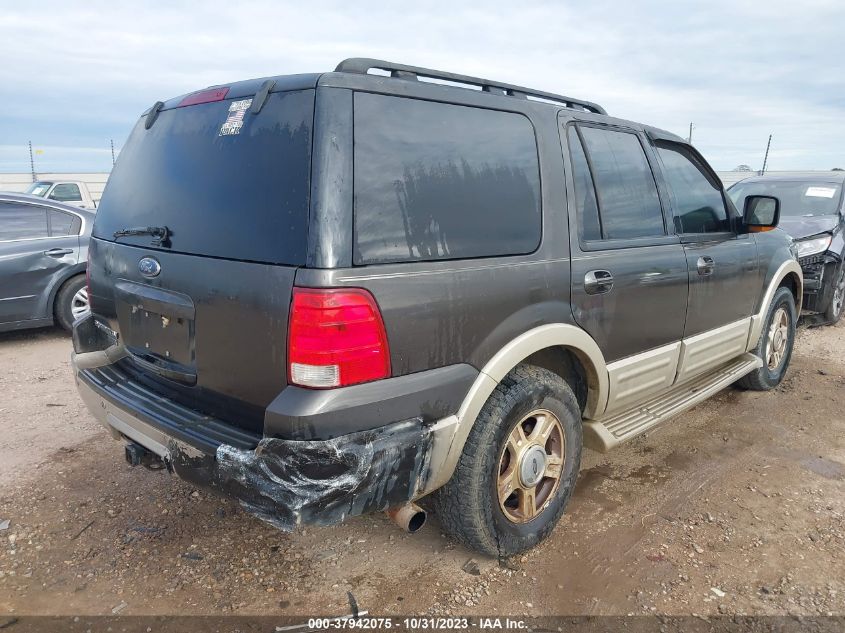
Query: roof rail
361	65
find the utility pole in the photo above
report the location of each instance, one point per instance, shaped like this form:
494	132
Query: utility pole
112	151
31	162
766	157
689	138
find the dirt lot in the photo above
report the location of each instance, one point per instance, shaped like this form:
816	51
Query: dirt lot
737	507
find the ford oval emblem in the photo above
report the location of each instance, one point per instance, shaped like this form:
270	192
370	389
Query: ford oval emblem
149	267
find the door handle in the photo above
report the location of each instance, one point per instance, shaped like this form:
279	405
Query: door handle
58	252
705	265
598	282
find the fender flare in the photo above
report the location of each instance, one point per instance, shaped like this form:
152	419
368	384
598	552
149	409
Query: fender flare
446	454
757	320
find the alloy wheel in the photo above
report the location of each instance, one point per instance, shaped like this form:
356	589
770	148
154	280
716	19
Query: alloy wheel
778	339
531	466
838	296
79	304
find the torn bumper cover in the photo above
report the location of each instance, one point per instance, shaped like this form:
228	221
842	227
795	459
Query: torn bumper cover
284	482
288	483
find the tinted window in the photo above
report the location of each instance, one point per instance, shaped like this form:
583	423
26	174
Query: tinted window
796	198
67	192
226	182
628	200
698	205
63	223
22	221
437	181
585	193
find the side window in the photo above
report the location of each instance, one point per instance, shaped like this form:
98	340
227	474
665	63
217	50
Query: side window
585	193
22	221
437	181
66	192
698	203
629	206
63	223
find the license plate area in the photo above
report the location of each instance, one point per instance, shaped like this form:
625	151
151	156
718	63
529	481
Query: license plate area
157	327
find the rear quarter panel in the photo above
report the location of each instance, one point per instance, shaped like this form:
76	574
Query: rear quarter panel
442	312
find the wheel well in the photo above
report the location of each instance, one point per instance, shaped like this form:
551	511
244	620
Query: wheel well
58	289
566	364
792	282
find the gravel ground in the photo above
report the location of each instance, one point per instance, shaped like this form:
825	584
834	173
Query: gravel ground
736	507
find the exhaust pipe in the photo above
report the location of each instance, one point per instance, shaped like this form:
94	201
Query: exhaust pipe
410	517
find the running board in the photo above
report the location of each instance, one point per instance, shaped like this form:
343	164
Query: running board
607	433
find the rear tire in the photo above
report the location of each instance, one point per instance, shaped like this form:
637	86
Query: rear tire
775	345
529	429
837	298
71	302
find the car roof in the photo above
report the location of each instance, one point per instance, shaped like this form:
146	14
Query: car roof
358	67
8	196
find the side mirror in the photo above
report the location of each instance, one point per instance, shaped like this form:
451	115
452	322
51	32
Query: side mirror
761	213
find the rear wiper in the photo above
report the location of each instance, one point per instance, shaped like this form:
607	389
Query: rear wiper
160	233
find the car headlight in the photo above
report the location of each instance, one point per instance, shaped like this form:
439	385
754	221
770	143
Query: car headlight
813	245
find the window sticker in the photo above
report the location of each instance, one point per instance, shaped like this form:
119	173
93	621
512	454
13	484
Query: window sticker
234	122
821	192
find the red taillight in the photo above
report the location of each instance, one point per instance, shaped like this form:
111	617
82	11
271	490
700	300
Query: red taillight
204	96
336	338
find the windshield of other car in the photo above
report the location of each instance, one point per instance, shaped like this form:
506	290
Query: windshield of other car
39	188
804	199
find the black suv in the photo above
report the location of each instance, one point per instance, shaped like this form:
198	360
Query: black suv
337	293
813	213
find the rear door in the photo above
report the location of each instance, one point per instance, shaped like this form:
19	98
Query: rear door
32	257
721	264
203	310
629	272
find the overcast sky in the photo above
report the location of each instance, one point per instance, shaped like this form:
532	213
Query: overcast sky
72	78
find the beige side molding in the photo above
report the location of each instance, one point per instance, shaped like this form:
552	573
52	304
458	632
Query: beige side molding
790	266
444	460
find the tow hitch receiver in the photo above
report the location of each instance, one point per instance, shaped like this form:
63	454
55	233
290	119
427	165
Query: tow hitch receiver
137	455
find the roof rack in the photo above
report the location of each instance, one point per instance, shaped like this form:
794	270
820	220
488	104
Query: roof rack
361	65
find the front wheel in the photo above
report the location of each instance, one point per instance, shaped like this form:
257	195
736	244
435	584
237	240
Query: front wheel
518	466
837	299
775	344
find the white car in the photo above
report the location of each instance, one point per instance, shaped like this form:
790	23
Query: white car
69	192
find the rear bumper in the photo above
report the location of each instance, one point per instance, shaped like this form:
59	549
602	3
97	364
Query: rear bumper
284	482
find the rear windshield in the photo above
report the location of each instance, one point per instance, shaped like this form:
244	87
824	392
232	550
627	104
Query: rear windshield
796	198
225	182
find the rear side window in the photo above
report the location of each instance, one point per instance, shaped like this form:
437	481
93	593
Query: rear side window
627	194
63	223
698	205
22	221
237	195
585	193
66	192
438	181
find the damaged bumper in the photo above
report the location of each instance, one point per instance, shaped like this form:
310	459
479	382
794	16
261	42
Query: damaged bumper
819	272
284	482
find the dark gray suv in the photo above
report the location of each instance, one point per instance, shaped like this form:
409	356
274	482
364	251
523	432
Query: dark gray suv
337	293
